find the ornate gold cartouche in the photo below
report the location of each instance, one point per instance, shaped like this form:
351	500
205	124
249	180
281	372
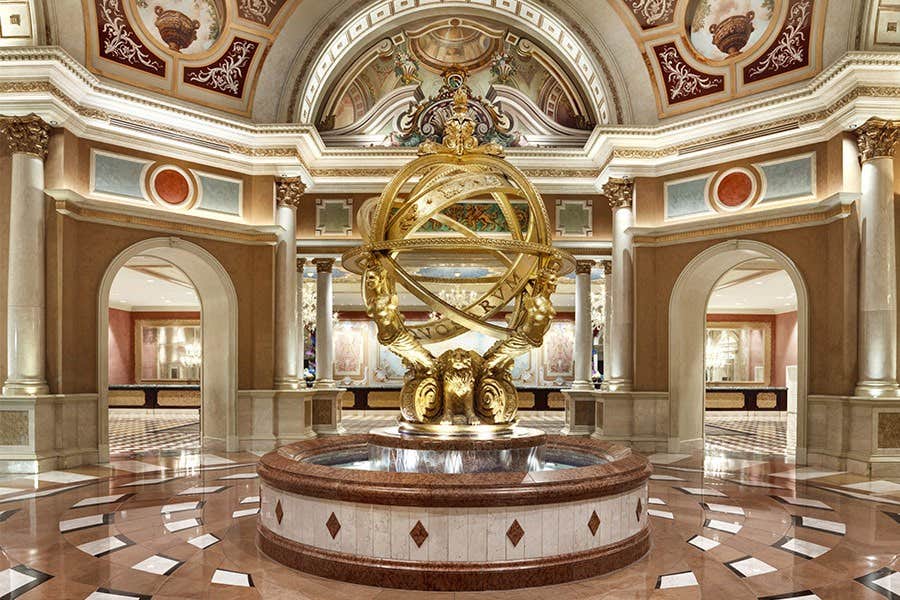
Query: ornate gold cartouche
459	391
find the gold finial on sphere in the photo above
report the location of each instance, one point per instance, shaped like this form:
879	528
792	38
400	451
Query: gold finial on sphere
416	221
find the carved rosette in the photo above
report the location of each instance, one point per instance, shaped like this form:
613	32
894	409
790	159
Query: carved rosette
619	192
289	191
877	138
583	266
323	265
26	135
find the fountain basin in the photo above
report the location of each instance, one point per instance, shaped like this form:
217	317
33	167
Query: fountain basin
453	531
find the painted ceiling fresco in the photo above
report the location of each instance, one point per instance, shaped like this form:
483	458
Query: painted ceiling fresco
401	87
204	51
704	52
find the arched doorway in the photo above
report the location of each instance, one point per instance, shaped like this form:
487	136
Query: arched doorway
687	338
218	302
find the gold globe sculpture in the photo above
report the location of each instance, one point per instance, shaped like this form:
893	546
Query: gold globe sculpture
458	391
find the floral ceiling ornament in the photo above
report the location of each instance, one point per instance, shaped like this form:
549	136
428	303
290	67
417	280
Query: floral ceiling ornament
792	46
502	67
653	12
119	40
682	81
406	68
257	10
228	74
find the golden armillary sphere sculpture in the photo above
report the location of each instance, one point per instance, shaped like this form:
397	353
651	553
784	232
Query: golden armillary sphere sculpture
459	391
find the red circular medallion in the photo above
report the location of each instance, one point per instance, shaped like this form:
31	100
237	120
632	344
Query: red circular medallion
171	186
734	189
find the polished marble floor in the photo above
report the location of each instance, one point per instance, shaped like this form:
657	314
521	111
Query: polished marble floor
183	526
135	432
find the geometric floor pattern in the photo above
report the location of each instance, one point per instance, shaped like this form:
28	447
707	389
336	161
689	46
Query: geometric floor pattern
170	527
752	435
167	432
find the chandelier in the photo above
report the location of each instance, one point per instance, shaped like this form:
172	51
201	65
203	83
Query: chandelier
191	355
457	297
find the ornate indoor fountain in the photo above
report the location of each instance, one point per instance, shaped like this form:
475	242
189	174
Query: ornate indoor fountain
456	496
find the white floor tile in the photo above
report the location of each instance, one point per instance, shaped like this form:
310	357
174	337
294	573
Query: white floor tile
676	580
702	492
6	490
134	466
12	580
726	526
244	513
665	478
64	477
40	494
104	545
660	513
804	473
890	583
181	507
657	501
823	525
203	541
241	476
666	459
193	491
183	524
807	502
724	508
84	522
149	481
876	487
104	594
750	567
158	565
97	500
704	543
224	577
804	548
212	459
250	500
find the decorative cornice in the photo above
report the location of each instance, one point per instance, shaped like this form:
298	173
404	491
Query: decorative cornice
323	265
876	138
289	191
26	135
619	191
583	267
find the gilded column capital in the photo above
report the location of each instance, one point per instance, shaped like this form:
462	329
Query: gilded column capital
583	266
288	191
323	265
301	262
26	135
619	191
876	138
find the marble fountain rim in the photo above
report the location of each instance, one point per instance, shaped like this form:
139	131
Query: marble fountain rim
286	470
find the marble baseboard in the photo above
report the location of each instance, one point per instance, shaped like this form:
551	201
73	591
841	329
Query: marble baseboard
456	576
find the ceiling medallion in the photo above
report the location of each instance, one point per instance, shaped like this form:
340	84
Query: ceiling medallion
171	187
735	189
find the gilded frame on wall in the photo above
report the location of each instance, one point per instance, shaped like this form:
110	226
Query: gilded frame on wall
139	326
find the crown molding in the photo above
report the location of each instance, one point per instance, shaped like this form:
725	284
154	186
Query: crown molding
49	82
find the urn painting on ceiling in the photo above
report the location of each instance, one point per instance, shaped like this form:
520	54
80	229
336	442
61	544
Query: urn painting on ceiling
722	29
183	26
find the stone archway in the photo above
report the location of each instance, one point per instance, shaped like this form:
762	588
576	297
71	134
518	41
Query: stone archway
218	302
687	325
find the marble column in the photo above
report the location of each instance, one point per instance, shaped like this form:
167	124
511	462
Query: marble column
621	362
583	326
877	261
607	312
288	191
28	138
324	324
301	262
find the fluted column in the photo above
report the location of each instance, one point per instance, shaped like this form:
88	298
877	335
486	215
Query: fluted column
288	191
324	324
607	311
301	262
28	138
878	277
583	326
621	364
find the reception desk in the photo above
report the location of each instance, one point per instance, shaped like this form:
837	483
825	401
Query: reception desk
382	398
154	395
762	399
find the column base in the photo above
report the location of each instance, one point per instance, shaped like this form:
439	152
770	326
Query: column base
268	419
877	389
326	411
581	412
18	389
325	384
618	385
288	383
